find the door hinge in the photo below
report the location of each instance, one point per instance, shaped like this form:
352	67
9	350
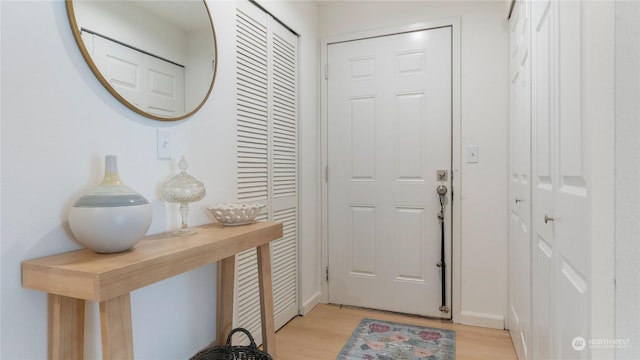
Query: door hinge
326	173
326	273
326	71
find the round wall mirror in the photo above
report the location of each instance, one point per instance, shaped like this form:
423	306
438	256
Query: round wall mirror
157	57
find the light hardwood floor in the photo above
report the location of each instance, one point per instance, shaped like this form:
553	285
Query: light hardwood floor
321	334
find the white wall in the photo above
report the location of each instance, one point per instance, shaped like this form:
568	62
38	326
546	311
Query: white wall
58	122
484	113
199	67
627	190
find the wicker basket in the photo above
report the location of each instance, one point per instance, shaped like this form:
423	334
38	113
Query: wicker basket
229	352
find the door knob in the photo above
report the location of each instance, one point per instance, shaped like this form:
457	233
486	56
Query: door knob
518	200
547	218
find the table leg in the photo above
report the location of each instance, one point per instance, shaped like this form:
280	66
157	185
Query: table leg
66	328
226	274
116	328
266	300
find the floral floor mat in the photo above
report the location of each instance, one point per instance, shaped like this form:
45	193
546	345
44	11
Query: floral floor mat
383	340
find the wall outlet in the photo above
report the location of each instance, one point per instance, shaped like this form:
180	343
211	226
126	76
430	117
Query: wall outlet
163	139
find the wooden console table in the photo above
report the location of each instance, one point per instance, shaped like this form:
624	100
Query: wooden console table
72	278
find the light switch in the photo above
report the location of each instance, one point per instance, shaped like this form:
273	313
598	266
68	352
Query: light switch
163	139
473	154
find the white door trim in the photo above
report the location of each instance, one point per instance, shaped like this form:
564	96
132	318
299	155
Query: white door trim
454	22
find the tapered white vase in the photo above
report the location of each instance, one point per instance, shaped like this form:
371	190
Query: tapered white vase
111	218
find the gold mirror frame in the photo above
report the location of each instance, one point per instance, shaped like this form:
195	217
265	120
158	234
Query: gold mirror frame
85	54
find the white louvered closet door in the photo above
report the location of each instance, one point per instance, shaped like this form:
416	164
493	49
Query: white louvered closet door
267	158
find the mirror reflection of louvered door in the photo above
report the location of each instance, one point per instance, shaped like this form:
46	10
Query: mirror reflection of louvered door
267	158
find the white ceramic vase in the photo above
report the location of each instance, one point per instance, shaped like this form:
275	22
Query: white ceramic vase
112	217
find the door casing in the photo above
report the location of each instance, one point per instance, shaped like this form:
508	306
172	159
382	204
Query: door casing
455	265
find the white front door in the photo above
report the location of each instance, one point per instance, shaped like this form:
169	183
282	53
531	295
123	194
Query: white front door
389	132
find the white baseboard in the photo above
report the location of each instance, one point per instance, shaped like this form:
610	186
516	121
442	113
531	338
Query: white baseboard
310	303
493	321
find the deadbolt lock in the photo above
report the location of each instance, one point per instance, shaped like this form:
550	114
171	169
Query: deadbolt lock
442	175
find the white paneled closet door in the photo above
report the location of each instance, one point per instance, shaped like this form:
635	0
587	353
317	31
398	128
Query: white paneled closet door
561	261
266	55
519	180
562	114
544	117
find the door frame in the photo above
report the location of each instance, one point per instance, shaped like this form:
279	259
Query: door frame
453	276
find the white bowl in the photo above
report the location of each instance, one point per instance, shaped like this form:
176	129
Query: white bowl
235	214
